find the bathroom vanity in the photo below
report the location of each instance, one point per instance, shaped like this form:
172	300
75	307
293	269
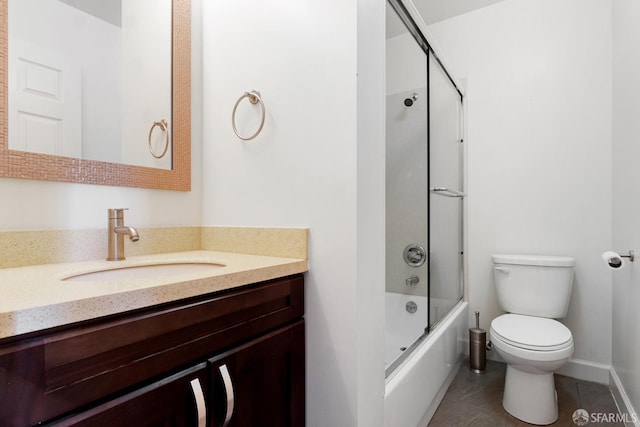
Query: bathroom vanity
231	355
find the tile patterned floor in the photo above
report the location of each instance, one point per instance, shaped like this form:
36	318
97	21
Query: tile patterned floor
476	400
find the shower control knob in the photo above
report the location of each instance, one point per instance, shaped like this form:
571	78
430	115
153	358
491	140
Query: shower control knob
414	255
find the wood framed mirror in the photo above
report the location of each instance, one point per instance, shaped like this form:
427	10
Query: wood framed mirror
30	165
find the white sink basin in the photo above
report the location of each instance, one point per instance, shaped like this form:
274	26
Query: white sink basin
146	271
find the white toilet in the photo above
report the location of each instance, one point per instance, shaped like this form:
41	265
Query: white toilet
534	290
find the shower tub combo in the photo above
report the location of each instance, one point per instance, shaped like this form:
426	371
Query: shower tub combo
416	386
426	315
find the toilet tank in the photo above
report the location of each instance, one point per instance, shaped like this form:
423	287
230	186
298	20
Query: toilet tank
534	285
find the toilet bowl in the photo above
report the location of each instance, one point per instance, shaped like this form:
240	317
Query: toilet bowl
534	290
533	349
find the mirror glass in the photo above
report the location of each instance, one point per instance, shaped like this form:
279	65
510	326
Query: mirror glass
91	82
97	91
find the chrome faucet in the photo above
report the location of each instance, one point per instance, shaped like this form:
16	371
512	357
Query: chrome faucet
117	230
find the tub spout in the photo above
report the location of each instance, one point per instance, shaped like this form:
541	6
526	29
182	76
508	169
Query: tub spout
412	281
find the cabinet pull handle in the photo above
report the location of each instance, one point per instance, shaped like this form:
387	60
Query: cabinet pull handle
200	404
228	388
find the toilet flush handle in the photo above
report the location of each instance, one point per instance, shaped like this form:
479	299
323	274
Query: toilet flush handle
504	270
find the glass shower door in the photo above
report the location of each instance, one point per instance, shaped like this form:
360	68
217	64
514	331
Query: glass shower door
407	171
445	193
424	185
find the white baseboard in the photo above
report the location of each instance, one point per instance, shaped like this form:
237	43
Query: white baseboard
622	400
574	368
586	371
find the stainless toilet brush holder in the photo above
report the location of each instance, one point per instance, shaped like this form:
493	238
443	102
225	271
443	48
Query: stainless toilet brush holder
477	348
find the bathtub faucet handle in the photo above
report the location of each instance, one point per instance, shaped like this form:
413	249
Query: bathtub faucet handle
414	255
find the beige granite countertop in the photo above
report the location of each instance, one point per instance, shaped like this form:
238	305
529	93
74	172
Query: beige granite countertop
36	297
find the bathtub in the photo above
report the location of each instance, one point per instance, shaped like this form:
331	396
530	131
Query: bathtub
402	328
416	386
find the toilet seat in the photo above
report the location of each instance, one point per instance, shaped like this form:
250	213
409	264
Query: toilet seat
531	333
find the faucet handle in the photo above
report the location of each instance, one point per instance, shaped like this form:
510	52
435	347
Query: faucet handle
117	213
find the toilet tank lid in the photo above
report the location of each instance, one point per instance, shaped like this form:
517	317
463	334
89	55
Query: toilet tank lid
543	260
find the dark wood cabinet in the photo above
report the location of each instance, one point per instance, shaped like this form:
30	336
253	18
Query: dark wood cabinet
260	383
171	402
235	356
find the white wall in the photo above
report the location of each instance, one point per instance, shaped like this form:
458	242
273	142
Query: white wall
626	194
318	163
33	205
539	147
371	216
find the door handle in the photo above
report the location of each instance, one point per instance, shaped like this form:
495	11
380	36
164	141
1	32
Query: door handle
201	407
228	389
504	270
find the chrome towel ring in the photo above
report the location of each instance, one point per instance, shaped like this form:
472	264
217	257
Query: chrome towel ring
255	98
164	127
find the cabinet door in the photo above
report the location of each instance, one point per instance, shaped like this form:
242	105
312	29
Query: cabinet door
175	401
260	383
